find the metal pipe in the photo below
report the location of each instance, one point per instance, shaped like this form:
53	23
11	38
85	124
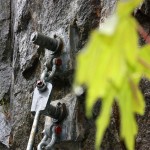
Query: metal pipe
45	41
33	131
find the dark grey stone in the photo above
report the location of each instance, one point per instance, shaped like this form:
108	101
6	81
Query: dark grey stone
5	72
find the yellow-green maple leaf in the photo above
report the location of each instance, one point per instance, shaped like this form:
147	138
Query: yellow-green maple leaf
110	66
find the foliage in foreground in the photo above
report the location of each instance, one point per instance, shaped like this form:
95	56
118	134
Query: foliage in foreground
111	66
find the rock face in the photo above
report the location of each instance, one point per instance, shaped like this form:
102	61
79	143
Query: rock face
21	65
70	20
5	71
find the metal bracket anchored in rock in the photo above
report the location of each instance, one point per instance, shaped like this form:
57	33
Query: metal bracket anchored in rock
41	99
42	93
54	47
41	105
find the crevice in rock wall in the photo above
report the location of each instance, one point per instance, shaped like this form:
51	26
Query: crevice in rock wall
7	54
23	16
31	67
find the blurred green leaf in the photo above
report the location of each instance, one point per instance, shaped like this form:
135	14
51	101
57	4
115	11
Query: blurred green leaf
110	66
